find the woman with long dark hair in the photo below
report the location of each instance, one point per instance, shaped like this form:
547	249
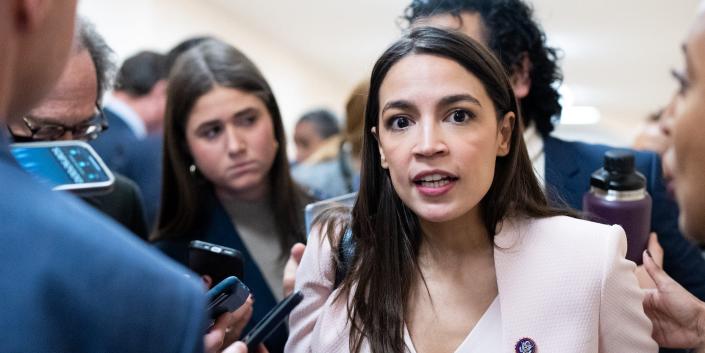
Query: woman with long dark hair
454	248
226	175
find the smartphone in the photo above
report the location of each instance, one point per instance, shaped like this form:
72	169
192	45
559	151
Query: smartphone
271	321
65	165
216	261
226	296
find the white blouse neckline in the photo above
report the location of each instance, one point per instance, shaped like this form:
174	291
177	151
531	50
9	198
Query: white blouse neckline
486	336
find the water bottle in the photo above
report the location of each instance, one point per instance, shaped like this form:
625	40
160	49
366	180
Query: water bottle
618	196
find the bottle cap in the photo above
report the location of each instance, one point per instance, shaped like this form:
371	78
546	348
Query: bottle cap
619	161
618	173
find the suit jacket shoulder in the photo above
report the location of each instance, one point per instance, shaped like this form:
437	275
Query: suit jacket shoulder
564	283
112	144
144	167
81	281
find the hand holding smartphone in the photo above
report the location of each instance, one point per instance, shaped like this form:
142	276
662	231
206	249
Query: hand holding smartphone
226	296
271	321
216	261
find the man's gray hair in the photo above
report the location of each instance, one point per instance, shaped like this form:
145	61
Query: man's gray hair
103	57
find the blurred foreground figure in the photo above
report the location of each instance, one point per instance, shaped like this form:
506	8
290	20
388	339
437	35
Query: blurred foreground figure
74	281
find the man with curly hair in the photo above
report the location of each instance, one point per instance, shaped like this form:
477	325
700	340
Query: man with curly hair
508	28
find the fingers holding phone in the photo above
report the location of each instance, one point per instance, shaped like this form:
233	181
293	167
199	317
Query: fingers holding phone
229	309
228	328
239	319
226	297
214	339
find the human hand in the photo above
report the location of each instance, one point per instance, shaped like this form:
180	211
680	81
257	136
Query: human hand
207	281
239	347
678	317
239	319
297	251
213	340
656	251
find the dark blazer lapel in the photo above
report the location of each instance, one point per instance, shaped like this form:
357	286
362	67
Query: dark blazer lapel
220	230
565	179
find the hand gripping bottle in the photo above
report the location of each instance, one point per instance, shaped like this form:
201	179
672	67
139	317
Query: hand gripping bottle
618	196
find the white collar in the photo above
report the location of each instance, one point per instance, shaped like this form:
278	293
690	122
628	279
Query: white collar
534	146
534	141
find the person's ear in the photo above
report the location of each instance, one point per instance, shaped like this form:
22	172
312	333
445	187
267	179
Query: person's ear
504	134
521	77
381	151
159	89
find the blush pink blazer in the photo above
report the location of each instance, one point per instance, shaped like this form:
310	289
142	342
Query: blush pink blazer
562	282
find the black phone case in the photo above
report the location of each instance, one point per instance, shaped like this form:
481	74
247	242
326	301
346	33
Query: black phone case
271	321
216	261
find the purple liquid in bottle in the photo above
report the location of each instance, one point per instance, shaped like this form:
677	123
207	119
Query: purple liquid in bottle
618	196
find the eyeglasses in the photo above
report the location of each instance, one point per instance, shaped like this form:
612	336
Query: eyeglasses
87	130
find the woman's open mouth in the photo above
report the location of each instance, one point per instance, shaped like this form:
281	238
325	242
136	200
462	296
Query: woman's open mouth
434	184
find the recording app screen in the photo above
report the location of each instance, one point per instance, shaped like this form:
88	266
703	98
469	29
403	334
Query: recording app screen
60	164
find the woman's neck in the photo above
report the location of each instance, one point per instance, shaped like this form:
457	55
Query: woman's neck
243	211
454	240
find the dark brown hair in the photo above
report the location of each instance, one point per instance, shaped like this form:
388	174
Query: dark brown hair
355	116
513	34
187	200
386	233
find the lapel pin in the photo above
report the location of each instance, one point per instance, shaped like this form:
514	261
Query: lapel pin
526	345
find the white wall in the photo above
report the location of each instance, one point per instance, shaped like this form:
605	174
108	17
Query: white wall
132	25
311	50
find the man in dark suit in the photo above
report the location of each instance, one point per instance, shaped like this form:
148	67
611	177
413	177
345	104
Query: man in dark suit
508	29
145	169
135	114
135	109
74	281
72	110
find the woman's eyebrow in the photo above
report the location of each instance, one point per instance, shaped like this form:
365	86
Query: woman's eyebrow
208	123
245	112
448	100
398	104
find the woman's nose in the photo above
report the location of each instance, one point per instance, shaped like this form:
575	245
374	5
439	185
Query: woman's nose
235	141
430	141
